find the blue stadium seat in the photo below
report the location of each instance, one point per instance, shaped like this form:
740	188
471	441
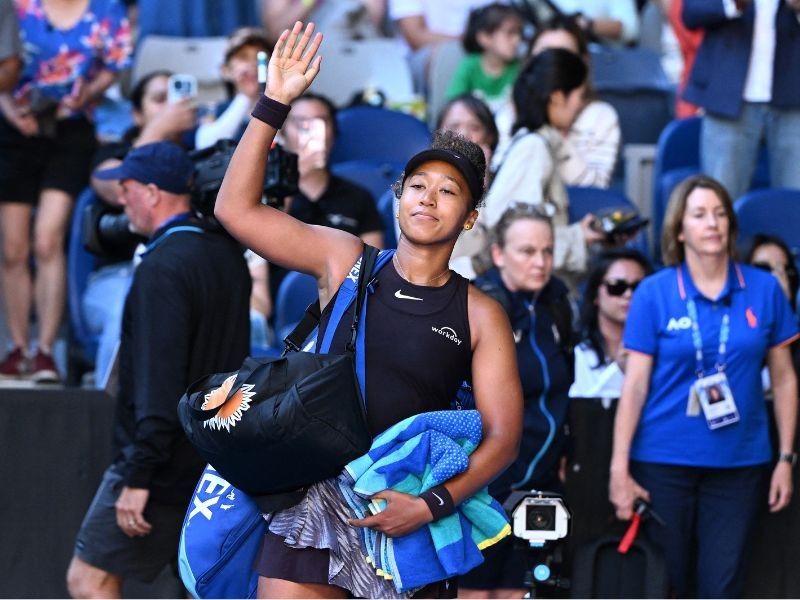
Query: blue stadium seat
80	264
773	211
195	18
369	133
634	83
375	175
296	292
678	157
586	200
386	210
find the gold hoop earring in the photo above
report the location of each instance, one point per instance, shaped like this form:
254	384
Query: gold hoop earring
467	227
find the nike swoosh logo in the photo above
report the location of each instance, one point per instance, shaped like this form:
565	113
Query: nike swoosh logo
439	498
401	296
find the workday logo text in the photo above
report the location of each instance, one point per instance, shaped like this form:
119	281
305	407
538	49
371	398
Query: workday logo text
447	332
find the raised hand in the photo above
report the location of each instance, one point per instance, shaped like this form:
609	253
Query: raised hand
293	65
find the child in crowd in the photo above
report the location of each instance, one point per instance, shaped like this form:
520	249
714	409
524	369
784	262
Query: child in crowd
492	42
587	151
240	72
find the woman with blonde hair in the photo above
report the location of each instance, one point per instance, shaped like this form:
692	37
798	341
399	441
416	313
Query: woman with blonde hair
705	321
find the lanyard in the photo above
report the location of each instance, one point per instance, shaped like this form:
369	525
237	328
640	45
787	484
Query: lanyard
697	340
152	245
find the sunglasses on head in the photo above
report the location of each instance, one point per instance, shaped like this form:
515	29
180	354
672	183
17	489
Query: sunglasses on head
617	287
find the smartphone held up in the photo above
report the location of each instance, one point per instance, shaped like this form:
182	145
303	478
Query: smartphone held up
181	87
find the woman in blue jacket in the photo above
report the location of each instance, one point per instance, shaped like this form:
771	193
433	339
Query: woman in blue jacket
691	431
538	307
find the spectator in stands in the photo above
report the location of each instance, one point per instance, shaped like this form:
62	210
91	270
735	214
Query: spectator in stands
260	301
155	120
10	47
539	309
592	142
324	198
240	72
343	19
425	23
599	364
771	254
472	118
740	79
599	357
491	41
186	315
73	53
705	320
689	43
604	20
547	97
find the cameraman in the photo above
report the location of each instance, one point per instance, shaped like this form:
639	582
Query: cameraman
155	120
186	315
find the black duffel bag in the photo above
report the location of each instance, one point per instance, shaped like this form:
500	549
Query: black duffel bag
278	425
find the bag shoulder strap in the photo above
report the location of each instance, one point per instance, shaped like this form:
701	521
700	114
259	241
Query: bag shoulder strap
368	259
310	321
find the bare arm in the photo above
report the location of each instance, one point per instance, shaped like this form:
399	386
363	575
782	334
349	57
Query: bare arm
278	15
416	32
169	123
9	73
607	29
325	253
784	389
498	396
90	91
623	490
373	238
109	191
260	298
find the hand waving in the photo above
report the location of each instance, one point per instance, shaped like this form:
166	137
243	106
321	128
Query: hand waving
291	69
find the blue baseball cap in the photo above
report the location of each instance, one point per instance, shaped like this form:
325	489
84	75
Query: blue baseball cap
164	164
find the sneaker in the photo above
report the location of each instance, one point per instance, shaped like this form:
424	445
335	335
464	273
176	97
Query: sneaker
14	366
43	368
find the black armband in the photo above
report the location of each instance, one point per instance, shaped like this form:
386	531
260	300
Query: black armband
271	112
439	501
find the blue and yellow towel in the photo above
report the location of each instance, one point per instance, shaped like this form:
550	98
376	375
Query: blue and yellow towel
414	456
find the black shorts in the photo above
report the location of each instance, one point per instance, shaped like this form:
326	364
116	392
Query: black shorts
505	567
276	560
102	544
30	165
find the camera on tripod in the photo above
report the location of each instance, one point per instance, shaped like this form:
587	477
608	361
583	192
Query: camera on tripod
540	520
538	517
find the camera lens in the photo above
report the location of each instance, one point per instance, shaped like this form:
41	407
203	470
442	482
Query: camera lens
540	518
178	84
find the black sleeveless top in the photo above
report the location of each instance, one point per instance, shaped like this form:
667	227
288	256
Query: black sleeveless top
417	344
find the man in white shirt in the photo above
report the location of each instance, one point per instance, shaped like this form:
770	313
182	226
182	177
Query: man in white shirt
425	23
745	77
